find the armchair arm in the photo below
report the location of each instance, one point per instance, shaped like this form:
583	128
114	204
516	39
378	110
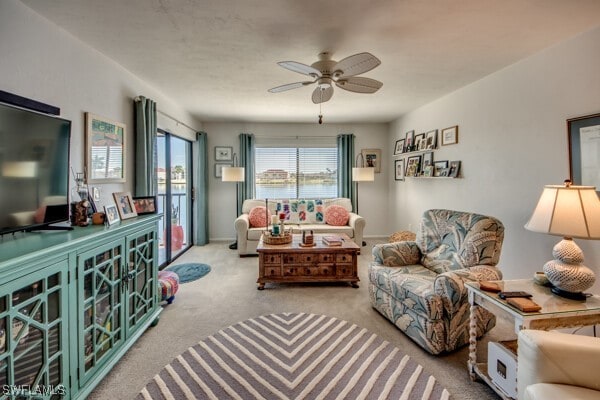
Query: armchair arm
560	358
450	285
357	223
242	224
396	254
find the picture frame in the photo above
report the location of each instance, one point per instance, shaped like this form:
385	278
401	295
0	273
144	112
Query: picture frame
438	166
112	215
428	171
419	141
454	169
399	169
372	158
431	140
219	169
145	205
427	160
444	172
450	135
105	144
409	139
223	153
125	205
584	160
413	165
399	147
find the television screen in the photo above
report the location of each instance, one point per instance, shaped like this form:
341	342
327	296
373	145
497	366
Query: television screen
34	169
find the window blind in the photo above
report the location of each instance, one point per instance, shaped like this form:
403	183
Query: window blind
296	172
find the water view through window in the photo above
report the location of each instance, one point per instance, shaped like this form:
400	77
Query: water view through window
296	172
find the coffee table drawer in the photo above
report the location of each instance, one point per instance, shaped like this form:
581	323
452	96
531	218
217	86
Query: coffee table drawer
291	258
326	270
343	258
309	258
272	258
272	271
344	270
326	258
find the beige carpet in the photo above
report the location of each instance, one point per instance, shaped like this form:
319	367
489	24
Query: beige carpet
228	295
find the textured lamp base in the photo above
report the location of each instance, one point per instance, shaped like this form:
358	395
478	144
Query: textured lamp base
567	273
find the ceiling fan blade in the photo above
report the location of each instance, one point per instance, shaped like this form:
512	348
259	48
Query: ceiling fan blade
301	68
320	95
289	86
359	84
355	65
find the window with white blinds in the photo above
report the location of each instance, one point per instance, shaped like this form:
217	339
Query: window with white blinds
296	172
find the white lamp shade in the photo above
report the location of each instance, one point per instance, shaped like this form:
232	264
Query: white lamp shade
363	174
19	169
572	211
233	174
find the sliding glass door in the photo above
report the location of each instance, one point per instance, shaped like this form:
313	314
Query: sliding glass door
174	195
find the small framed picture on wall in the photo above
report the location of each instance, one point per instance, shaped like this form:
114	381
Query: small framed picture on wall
399	169
399	148
450	135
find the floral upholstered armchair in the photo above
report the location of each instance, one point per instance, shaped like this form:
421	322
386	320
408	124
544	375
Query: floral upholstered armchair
419	285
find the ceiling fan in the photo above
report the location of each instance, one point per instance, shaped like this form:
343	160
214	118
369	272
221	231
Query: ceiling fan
326	72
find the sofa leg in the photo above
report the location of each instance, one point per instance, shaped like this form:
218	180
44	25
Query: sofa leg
233	246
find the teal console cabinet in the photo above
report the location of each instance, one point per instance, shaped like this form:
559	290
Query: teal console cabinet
72	303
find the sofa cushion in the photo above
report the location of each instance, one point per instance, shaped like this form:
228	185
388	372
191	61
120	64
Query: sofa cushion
257	217
324	228
336	215
411	285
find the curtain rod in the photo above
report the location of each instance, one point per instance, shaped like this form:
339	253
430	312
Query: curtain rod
296	137
176	120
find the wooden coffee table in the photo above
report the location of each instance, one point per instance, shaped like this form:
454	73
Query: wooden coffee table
321	263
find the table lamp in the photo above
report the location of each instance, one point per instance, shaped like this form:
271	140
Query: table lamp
572	212
234	174
362	174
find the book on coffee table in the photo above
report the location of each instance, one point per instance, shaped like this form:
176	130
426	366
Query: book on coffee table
332	240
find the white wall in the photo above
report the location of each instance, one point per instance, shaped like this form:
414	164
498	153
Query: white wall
372	195
43	62
512	141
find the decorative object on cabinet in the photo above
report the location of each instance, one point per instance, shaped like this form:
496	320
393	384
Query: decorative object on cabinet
145	205
399	148
125	205
105	144
223	153
399	170
572	212
450	135
584	133
409	139
439	166
112	215
413	164
372	158
431	140
454	169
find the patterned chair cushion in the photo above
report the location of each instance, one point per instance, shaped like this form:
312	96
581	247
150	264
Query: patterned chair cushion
453	240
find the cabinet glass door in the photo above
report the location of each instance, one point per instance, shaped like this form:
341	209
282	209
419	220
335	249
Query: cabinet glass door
141	280
100	280
33	335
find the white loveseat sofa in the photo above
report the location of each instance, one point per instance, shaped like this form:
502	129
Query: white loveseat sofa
248	237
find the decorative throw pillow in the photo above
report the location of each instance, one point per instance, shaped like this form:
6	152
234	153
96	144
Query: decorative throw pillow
257	217
336	215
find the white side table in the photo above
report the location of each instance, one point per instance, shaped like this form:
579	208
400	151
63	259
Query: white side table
557	312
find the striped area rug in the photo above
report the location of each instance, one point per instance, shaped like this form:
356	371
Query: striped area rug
293	356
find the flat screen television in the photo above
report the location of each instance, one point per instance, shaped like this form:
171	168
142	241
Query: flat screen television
34	169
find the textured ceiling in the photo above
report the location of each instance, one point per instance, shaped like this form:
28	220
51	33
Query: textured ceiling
217	58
